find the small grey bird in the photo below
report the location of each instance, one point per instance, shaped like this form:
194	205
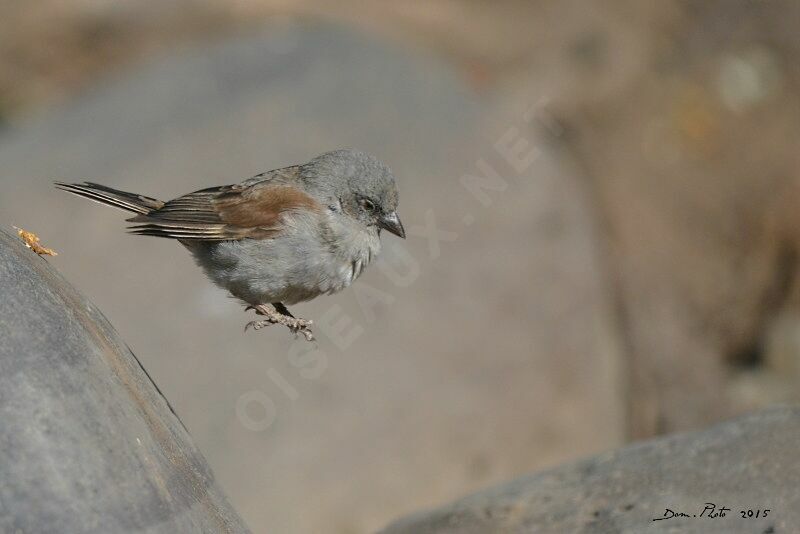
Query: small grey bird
281	237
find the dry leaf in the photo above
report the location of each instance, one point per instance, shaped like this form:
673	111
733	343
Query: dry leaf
31	241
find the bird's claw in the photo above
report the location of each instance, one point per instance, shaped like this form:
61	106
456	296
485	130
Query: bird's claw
297	326
303	327
256	325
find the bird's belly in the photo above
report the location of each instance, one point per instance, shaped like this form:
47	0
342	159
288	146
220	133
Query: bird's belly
279	270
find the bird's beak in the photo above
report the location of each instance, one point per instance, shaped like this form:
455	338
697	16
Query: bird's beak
391	223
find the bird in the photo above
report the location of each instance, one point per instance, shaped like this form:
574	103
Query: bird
279	238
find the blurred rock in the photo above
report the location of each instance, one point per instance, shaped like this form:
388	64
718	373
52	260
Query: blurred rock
87	441
750	463
696	180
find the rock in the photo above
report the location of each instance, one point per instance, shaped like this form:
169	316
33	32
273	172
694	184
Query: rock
87	441
750	463
701	211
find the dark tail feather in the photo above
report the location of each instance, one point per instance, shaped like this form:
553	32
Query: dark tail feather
112	197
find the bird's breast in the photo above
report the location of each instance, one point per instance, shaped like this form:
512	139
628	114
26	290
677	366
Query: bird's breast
358	259
355	250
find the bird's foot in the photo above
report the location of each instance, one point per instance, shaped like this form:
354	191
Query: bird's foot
272	316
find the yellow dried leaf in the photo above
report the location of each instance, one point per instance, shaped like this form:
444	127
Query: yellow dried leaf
31	241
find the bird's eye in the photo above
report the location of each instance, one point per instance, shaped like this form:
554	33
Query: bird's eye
367	204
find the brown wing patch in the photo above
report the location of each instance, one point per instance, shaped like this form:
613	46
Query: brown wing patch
264	206
225	213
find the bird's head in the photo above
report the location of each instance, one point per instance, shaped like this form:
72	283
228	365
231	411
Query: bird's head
360	184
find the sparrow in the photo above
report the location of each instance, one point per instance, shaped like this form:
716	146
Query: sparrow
281	237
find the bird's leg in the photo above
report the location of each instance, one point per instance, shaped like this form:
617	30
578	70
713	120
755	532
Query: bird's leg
304	323
280	308
278	314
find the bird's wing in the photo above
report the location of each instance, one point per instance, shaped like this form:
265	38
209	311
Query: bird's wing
251	209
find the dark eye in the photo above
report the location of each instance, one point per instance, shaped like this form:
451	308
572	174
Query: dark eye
367	204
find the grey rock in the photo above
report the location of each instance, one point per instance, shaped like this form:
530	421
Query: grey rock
750	463
87	441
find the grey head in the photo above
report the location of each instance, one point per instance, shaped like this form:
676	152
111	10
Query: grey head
359	184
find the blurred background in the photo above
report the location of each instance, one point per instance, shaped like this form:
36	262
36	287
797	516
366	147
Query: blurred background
601	200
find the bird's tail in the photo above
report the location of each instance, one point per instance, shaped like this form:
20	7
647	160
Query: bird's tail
113	197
